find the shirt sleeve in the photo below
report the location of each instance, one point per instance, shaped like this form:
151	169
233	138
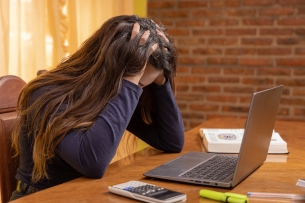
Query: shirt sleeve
166	133
91	151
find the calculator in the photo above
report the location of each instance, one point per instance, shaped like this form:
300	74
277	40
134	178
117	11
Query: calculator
147	192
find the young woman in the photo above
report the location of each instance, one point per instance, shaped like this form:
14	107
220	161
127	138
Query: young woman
72	118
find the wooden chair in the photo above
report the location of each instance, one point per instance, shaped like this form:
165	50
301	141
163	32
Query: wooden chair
10	87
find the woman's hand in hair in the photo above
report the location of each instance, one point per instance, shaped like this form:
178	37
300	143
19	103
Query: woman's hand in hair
151	74
135	31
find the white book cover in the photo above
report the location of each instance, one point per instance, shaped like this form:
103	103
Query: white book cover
301	183
229	141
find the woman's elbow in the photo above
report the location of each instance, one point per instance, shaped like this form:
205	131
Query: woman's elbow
177	146
95	172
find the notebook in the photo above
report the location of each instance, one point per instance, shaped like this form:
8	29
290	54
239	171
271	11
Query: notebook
253	151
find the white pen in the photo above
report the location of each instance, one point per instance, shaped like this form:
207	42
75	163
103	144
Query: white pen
276	195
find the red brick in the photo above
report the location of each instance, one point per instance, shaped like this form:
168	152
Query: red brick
301	10
287	41
276	12
299	92
245	99
183	50
240	12
239	109
274	71
223	79
192	115
205	89
225	3
291	21
167	22
274	51
182	87
190	23
257	81
239	89
192	4
275	31
291	62
211	116
293	101
212	32
292	2
183	69
191	41
222	98
238	32
283	111
182	106
299	112
222	61
174	14
160	4
204	107
291	82
256	41
300	31
191	79
222	41
207	13
300	71
189	97
206	70
286	91
300	51
178	32
256	22
191	60
223	22
153	13
207	51
240	51
238	71
255	62
259	2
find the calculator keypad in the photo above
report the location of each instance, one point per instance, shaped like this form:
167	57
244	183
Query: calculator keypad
140	188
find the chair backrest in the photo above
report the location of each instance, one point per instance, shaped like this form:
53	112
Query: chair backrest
10	87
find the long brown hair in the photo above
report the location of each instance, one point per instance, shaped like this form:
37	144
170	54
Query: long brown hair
81	85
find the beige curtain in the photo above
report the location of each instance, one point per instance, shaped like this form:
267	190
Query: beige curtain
37	34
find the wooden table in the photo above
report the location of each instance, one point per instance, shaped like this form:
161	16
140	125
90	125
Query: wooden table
279	176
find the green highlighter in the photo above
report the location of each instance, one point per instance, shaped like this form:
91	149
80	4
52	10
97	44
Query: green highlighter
223	197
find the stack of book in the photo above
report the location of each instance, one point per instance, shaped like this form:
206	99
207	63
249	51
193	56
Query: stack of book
229	140
301	183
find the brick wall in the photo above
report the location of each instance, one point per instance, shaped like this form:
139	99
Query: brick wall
229	49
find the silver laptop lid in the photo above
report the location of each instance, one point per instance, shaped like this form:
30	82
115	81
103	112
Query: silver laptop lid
258	130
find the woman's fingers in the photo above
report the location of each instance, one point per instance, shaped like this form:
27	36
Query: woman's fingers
144	37
135	30
161	34
153	48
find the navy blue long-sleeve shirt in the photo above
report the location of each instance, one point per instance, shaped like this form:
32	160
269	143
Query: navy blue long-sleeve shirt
88	153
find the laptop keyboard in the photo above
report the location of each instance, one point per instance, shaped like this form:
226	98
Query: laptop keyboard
217	168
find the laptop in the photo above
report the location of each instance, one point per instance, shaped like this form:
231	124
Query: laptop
194	167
